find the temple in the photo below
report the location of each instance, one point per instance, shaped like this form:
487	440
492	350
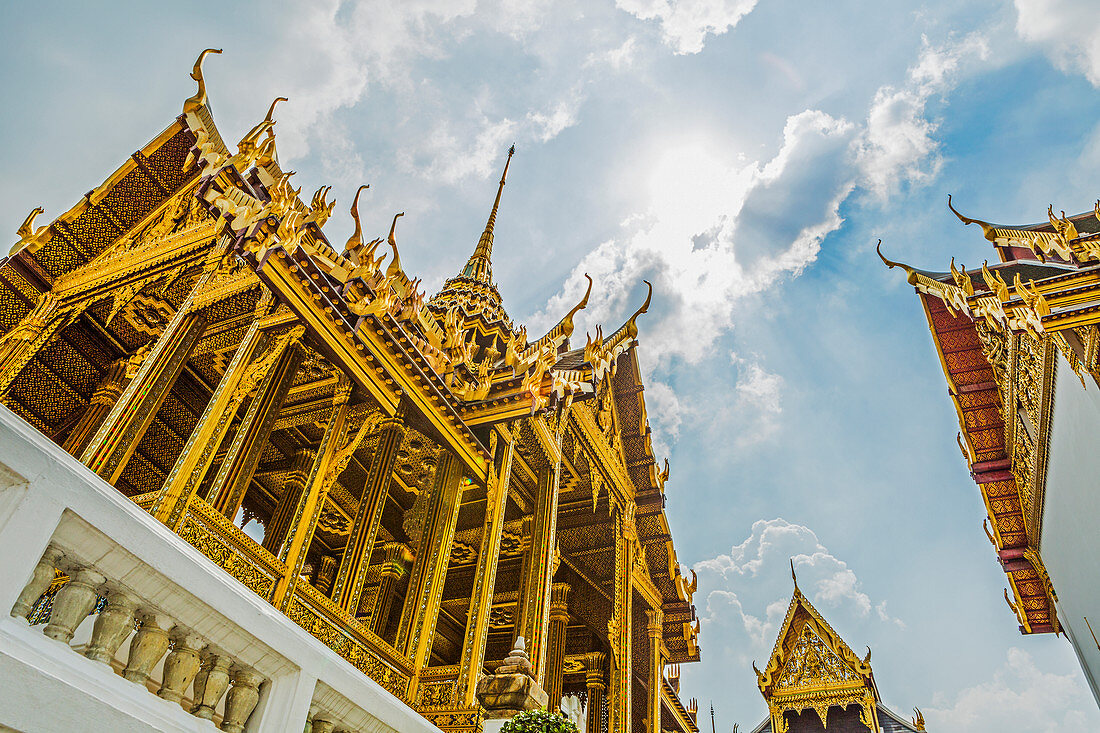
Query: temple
1019	346
814	682
185	356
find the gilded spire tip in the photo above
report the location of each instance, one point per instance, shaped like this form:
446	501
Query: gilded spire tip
987	228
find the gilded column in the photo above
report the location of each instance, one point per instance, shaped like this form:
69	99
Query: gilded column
251	362
656	667
103	399
597	688
348	588
19	345
294	485
555	660
535	591
293	549
393	569
619	628
235	474
119	434
429	571
485	576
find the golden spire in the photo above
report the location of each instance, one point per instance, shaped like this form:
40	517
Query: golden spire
480	265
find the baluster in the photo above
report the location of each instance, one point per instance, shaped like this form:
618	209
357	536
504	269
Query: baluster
148	646
41	577
321	725
181	665
113	624
73	602
210	684
241	700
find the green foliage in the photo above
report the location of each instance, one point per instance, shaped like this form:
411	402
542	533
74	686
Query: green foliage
539	721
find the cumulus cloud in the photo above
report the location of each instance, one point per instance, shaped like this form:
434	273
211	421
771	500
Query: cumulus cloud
714	231
1020	696
897	145
748	590
1065	30
685	24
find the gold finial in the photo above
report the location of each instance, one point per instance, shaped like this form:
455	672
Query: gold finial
26	229
911	274
271	111
395	264
987	228
994	282
867	659
30	238
794	577
480	266
918	719
193	103
632	324
567	322
356	238
1065	228
962	278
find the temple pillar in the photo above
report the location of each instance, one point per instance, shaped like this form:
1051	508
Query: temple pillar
472	659
103	399
555	660
251	362
348	588
292	551
655	628
121	431
235	474
429	570
19	345
393	569
534	596
294	486
619	628
594	680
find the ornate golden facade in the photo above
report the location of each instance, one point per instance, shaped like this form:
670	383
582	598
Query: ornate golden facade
814	681
432	483
999	331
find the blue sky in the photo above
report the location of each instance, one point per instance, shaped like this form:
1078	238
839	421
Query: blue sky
744	155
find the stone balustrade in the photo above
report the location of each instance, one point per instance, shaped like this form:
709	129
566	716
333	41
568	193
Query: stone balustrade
132	628
222	689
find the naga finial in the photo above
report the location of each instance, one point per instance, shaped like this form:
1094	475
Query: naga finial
867	659
632	324
271	111
395	264
962	278
987	228
30	238
26	229
909	271
193	103
567	322
793	576
356	238
918	719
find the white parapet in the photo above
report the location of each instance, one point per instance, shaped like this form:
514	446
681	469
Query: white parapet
209	653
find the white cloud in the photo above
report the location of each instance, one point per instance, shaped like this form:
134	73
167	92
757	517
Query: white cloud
1019	697
748	591
1066	30
715	230
759	396
685	24
897	145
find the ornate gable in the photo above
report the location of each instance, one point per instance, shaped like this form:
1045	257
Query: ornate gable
812	667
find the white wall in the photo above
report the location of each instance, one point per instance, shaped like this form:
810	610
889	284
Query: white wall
1070	540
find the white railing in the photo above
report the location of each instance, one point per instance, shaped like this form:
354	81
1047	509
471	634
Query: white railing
146	633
